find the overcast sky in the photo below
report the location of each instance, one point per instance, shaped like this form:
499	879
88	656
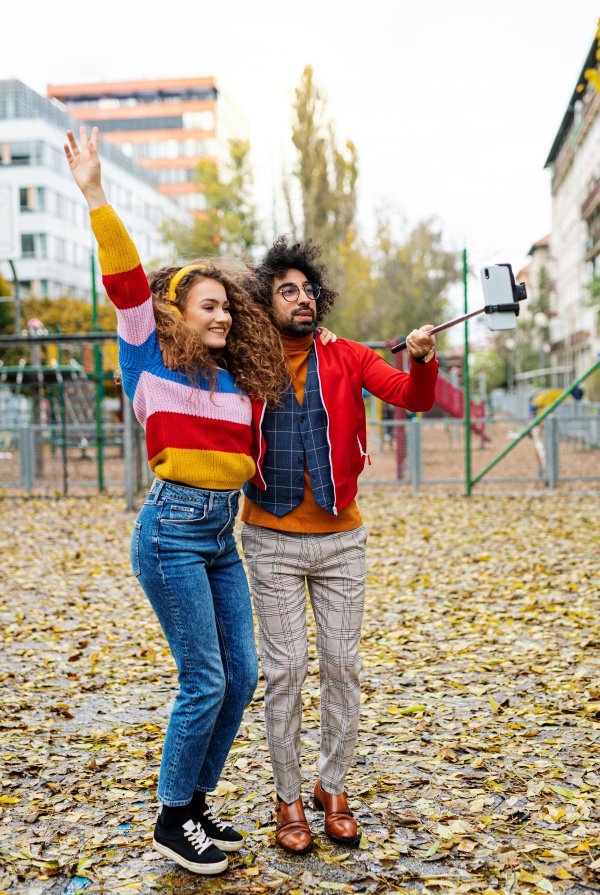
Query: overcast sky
453	106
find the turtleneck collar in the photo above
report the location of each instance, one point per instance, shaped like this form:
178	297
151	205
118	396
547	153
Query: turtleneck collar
292	345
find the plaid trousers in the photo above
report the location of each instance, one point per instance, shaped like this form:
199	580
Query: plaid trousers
280	565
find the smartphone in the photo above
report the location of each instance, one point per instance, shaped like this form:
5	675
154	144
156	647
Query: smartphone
497	281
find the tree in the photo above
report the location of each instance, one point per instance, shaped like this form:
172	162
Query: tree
414	276
395	285
387	288
326	175
355	315
7	311
494	365
69	314
229	225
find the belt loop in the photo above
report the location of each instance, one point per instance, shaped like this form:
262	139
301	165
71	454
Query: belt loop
211	500
160	485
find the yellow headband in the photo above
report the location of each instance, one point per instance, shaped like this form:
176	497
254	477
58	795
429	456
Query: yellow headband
171	298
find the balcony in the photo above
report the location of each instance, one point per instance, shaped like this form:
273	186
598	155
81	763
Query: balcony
591	201
592	245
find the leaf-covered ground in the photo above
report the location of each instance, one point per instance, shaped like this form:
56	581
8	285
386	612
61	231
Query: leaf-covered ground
476	767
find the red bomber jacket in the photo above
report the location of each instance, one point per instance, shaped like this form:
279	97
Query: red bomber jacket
344	369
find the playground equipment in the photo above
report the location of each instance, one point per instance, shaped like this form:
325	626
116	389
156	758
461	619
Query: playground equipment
66	410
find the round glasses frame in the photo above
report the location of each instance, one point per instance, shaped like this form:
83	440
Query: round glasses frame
293	291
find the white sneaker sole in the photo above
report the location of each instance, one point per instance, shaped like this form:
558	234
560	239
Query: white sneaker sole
224	845
204	869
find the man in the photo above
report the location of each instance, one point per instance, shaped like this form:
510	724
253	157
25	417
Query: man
302	527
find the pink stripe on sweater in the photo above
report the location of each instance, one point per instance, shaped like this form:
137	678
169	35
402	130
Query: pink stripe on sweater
154	394
136	324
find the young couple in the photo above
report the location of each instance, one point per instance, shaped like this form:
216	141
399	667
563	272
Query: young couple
251	398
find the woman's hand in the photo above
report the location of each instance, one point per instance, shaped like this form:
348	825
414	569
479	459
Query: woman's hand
167	356
326	335
419	342
85	166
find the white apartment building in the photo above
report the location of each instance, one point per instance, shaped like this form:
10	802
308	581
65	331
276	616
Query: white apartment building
575	240
51	236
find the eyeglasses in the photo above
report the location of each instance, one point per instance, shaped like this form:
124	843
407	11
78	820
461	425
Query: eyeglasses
290	291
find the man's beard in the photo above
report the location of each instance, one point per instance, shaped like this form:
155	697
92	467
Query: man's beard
294	328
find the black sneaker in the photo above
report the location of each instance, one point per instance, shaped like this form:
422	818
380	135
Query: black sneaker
190	847
224	837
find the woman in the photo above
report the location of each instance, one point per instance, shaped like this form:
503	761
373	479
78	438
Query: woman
199	434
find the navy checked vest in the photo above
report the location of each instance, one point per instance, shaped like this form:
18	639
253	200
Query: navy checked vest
295	434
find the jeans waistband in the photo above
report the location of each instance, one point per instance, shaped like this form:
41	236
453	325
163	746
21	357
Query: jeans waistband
162	489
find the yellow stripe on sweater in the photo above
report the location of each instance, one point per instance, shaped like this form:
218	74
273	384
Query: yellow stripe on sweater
216	470
116	251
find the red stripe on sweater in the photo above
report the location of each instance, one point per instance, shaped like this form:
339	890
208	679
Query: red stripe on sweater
178	430
127	290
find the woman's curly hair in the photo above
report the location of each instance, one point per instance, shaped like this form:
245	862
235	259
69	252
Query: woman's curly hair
254	353
302	256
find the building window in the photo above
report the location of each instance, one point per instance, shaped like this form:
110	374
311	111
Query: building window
43	287
199	121
32	198
192	201
22	153
28	245
175	175
33	245
108	103
59	249
26	200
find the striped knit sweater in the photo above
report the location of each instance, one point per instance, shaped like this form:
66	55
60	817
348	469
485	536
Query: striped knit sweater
192	437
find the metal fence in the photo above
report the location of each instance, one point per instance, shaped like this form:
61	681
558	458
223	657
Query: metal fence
565	448
55	460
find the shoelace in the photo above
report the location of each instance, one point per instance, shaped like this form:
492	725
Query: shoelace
210	814
198	838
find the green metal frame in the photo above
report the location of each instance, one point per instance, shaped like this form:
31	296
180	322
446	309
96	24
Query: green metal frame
536	421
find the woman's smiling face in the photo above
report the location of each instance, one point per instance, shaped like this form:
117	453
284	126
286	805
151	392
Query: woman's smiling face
207	312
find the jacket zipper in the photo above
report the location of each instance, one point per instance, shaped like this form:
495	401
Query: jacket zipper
335	510
363	453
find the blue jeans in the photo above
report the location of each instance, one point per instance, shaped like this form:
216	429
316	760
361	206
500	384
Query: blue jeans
184	554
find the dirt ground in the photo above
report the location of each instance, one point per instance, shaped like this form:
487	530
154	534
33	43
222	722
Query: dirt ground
476	768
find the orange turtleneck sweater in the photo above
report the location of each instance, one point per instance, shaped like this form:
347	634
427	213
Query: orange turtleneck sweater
308	517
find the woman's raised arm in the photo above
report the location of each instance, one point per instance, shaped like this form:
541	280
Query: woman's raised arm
85	166
122	274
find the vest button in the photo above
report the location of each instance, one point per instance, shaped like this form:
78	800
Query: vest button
299	459
301	419
299	496
300	439
299	479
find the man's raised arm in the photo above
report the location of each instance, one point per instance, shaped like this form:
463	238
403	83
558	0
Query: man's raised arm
415	390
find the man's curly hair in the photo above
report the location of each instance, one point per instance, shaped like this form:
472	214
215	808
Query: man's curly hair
302	256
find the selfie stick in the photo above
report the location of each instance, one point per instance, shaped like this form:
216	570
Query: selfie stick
488	309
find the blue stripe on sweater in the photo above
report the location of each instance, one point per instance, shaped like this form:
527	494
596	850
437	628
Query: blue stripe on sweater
134	359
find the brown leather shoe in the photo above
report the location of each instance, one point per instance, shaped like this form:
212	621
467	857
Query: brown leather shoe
293	832
340	824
